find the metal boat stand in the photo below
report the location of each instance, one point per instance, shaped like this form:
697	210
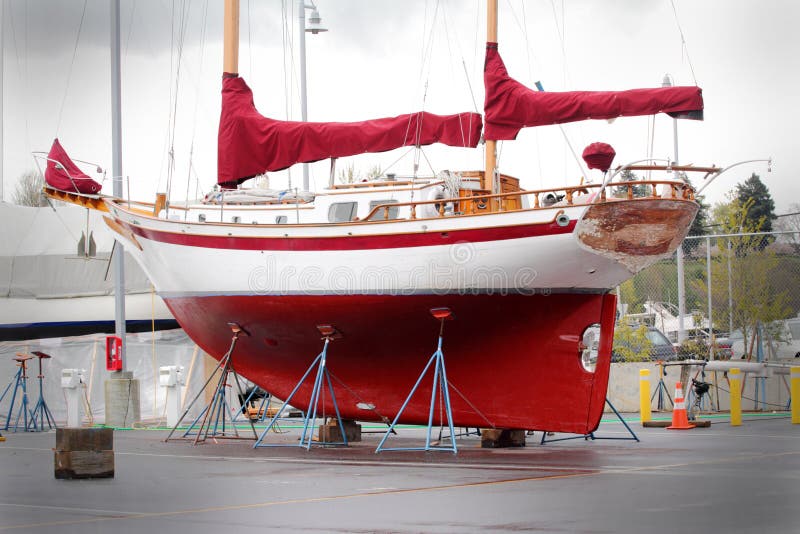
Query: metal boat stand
440	385
20	383
41	411
591	435
661	388
216	418
323	377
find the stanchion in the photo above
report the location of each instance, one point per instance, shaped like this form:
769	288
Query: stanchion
216	416
41	410
439	385
795	380
735	378
644	396
323	377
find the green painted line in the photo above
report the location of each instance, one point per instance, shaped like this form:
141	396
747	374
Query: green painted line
725	416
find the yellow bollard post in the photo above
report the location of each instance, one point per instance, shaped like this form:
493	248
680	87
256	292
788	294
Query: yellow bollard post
644	395
795	374
735	378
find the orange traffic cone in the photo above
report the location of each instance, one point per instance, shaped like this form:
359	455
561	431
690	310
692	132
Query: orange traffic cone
680	420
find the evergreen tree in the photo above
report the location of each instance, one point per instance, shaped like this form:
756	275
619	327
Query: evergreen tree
621	191
762	209
701	220
700	226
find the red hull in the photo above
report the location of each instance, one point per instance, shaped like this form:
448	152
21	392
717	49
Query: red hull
513	361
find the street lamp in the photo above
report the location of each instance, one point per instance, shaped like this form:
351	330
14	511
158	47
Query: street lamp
314	27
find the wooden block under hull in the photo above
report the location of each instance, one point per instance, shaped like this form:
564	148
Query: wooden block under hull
496	438
84	453
330	432
84	464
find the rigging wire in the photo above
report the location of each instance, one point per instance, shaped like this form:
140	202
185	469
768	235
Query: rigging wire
196	105
182	25
561	39
684	47
464	135
288	58
524	28
71	65
424	74
130	30
22	66
249	40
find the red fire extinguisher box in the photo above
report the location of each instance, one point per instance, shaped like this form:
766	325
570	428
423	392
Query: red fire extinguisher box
113	353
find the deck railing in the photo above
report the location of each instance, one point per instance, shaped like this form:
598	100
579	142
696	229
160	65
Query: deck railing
548	198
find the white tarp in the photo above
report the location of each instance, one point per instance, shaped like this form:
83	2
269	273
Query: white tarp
43	278
39	254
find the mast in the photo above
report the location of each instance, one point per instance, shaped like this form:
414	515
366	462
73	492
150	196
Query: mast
491	145
230	40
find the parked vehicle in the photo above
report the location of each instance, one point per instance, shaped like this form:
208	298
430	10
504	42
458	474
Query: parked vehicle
781	341
661	347
698	345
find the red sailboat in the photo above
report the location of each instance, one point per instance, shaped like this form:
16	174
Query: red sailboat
528	274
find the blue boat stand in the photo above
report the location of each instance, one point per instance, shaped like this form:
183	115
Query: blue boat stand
322	378
41	411
216	418
591	435
20	383
440	385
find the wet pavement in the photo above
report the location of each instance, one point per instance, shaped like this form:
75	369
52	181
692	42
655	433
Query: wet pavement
722	478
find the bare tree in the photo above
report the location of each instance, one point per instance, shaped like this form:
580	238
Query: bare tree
791	222
29	190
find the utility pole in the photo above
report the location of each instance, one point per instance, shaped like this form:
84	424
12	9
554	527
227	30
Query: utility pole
678	253
315	28
121	390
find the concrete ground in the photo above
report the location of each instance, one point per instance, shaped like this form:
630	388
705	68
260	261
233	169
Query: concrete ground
717	479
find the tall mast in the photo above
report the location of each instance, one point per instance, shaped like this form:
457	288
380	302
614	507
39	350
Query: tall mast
230	41
491	145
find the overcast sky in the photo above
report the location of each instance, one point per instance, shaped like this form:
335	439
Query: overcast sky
383	58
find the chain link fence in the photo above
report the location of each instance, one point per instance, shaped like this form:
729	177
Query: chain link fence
740	297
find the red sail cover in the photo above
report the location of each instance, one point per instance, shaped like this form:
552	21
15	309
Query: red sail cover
67	177
251	144
599	156
510	106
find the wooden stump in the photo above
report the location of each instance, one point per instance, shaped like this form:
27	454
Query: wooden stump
84	453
